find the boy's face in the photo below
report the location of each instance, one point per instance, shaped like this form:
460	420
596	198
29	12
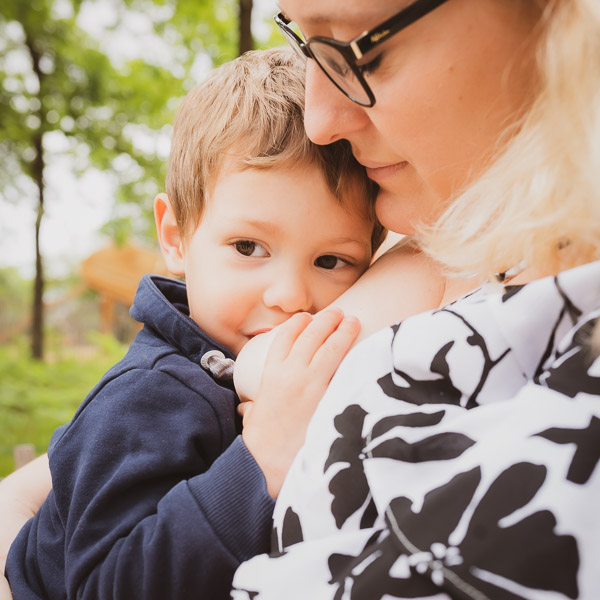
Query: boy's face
271	243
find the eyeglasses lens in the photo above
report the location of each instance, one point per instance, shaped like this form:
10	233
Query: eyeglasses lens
293	41
337	68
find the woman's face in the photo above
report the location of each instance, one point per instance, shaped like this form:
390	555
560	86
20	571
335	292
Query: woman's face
446	88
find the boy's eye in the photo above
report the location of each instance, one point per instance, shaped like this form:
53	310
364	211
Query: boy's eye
250	248
329	261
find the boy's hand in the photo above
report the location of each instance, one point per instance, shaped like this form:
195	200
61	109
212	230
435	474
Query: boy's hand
301	361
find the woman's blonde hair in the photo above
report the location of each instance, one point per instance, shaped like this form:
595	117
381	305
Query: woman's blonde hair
251	109
539	202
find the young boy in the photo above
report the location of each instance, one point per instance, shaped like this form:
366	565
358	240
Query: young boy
155	494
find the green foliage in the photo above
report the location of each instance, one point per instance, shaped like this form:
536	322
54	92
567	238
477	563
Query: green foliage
35	398
61	91
55	79
208	26
14	299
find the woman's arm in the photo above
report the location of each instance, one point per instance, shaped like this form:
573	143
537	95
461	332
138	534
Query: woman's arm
4	589
21	495
400	283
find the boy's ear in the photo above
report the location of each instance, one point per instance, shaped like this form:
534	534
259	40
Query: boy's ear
169	237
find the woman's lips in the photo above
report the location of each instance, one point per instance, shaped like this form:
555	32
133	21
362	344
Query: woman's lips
380	173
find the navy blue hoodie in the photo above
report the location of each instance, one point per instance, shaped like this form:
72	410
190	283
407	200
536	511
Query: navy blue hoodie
154	493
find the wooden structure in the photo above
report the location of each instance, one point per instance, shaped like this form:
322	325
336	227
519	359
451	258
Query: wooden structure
115	271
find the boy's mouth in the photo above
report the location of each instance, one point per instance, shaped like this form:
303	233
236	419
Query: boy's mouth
259	331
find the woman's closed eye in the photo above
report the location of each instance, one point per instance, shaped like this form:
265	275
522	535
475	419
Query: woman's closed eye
329	261
341	68
370	67
250	248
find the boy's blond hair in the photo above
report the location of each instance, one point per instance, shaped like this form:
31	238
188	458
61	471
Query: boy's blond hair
252	109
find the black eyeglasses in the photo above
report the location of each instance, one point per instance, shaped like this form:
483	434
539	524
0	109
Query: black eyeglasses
339	60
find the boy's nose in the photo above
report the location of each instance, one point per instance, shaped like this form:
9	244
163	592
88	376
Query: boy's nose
289	293
328	115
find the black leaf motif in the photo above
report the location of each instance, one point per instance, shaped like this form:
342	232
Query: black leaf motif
546	561
349	424
442	509
568	309
417	419
441	389
350	491
571	375
291	529
274	539
367	576
349	486
369	516
426	391
441	446
510	291
587	452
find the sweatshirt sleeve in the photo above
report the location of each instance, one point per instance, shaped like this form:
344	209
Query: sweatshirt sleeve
153	502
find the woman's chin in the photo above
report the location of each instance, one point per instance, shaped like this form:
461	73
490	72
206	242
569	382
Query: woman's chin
392	210
401	210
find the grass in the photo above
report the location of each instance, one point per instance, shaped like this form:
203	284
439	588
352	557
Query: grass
36	397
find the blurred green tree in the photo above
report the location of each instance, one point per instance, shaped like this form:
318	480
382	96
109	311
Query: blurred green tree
58	85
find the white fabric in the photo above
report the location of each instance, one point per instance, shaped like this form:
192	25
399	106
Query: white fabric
453	456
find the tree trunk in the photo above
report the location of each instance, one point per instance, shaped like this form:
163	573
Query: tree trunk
37	327
37	172
245	29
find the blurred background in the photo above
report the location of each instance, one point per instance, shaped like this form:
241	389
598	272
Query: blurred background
88	92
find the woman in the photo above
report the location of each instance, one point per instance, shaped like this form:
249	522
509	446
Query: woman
455	454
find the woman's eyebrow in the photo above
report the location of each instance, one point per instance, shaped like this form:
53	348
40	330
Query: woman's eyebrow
346	17
321	18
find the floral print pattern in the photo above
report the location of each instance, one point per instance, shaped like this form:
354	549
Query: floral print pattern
454	455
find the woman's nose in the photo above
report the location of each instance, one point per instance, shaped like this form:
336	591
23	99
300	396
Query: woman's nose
329	115
290	293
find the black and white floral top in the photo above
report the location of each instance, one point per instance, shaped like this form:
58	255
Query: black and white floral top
453	456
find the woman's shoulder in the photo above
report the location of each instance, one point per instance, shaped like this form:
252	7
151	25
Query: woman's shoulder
400	283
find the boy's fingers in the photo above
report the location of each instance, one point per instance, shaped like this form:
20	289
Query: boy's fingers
330	354
316	333
287	335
